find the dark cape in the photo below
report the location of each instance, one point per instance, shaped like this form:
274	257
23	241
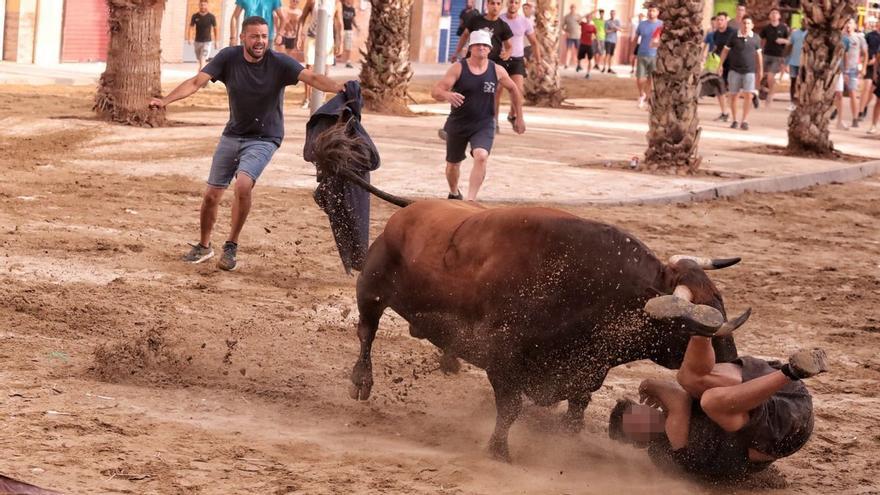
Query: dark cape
347	205
711	85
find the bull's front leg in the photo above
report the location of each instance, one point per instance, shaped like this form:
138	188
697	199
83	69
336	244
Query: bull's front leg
362	374
573	420
508	404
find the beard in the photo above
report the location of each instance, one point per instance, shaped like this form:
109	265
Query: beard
252	51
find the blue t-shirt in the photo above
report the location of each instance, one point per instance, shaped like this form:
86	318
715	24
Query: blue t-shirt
256	91
645	31
262	8
797	47
709	40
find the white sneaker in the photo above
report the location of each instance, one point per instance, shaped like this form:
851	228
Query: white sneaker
642	101
791	107
841	125
872	130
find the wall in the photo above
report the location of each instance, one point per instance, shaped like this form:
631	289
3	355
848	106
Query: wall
173	31
47	49
18	40
424	36
10	30
2	25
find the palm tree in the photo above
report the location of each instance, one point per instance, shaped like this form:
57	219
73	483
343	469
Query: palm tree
385	69
820	67
759	10
674	131
543	87
133	73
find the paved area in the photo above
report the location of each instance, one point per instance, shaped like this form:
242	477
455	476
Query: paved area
569	155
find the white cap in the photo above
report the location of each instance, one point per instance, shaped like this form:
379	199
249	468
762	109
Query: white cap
480	37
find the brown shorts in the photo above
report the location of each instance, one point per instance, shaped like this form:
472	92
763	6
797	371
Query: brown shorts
781	425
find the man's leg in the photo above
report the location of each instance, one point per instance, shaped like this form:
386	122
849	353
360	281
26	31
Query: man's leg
854	104
520	82
244	187
867	92
733	97
746	105
208	213
478	173
875	117
838	104
771	84
453	173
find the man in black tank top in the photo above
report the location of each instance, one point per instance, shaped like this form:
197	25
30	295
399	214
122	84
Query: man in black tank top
721	420
470	86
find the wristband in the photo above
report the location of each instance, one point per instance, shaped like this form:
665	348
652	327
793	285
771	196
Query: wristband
790	373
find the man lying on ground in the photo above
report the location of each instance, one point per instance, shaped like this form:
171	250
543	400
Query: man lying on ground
721	419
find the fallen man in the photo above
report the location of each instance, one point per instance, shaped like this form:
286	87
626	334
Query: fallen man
720	419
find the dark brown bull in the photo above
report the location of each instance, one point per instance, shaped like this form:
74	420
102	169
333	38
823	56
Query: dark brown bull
544	301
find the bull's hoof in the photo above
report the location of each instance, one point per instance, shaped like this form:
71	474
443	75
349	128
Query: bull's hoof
359	392
499	450
449	364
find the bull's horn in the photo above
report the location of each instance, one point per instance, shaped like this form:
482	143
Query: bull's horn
684	292
731	325
706	318
706	263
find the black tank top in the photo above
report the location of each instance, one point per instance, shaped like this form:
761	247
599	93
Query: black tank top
478	109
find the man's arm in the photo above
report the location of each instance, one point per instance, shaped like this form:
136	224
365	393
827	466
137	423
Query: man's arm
759	56
337	29
185	89
669	397
506	48
462	42
216	38
320	81
280	20
233	26
864	57
189	33
724	53
536	47
442	91
519	125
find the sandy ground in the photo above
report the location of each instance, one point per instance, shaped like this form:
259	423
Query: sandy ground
126	371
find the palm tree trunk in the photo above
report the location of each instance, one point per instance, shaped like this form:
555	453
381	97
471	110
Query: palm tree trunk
545	89
674	131
817	79
759	10
133	74
385	68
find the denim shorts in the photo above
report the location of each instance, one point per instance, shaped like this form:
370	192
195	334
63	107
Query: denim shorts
852	84
738	82
235	154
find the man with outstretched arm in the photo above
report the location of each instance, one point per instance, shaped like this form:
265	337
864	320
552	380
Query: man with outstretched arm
719	420
255	79
469	86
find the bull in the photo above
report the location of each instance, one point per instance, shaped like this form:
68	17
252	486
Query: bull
544	301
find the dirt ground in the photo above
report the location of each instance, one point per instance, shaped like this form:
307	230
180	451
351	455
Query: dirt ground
127	371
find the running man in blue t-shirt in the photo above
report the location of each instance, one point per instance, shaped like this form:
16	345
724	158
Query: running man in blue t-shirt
255	78
647	53
259	8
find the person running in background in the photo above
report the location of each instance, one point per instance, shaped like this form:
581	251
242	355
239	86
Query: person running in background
529	13
848	81
635	43
647	53
796	44
202	32
585	50
599	39
872	40
290	30
523	30
349	24
774	38
271	12
572	30
612	27
746	66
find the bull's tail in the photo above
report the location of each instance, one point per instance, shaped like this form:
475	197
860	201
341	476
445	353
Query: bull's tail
337	148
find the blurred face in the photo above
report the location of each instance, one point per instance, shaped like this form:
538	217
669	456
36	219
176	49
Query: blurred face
641	424
480	52
721	22
850	26
513	6
740	11
493	8
255	39
203	7
774	16
652	13
748	25
613	14
573	8
527	9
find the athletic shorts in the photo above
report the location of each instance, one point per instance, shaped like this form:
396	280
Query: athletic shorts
609	47
599	47
740	83
289	43
235	154
645	66
848	86
636	50
347	39
585	50
869	72
781	425
515	66
456	142
202	49
773	65
572	42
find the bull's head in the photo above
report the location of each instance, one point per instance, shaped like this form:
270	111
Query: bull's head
700	310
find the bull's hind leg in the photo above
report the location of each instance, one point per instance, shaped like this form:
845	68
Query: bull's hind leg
508	404
372	301
573	420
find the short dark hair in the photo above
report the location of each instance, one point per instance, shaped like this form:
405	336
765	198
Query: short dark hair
601	11
615	420
722	13
253	20
777	11
748	18
713	17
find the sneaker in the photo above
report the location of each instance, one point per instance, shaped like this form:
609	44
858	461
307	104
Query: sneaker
642	101
441	134
808	362
305	104
587	75
791	107
833	114
578	68
603	70
512	120
755	100
744	126
734	124
457	196
841	125
704	320
198	253
349	66
872	130
855	123
227	261
611	71
497	128
722	118
596	66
